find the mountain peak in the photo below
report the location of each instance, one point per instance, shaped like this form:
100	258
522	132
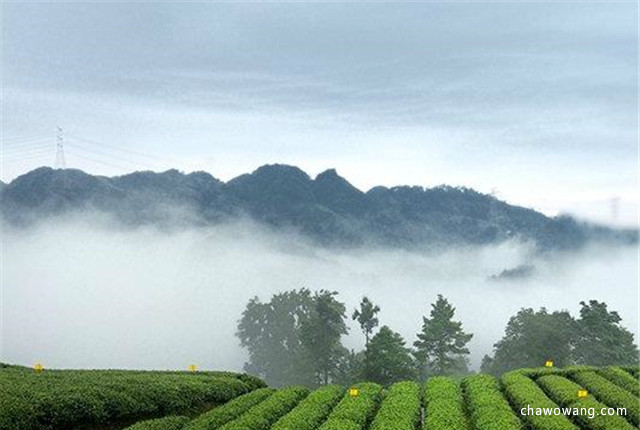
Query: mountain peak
327	208
327	174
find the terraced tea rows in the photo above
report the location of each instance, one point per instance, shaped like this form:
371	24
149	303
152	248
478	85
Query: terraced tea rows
70	400
66	399
479	402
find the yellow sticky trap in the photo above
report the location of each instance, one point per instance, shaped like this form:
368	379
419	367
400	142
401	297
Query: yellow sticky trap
38	367
582	394
548	363
193	368
353	392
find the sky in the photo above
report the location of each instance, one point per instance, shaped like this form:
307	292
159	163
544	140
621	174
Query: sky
536	102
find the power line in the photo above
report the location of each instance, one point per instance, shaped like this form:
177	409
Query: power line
81	148
27	153
35	147
106	163
19	140
18	149
115	147
28	157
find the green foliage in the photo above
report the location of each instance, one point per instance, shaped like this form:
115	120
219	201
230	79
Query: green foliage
609	393
441	341
565	393
350	368
531	338
366	317
229	411
295	337
444	405
400	409
488	409
353	412
253	382
633	370
599	422
559	389
621	378
63	399
600	340
312	411
320	335
523	393
387	360
271	334
166	423
266	413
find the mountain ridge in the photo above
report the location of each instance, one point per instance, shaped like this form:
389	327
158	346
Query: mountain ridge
326	208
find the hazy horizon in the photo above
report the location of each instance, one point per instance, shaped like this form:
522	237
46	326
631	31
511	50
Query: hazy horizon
535	102
85	292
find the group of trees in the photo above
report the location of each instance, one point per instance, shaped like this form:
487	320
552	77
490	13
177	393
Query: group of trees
531	338
296	338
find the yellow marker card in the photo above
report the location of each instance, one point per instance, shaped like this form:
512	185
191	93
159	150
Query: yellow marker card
582	394
548	363
38	367
353	392
193	368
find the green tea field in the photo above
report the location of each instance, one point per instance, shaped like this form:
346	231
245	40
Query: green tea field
573	398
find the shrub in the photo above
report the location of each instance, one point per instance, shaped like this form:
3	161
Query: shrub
229	411
66	399
488	409
633	370
353	412
621	378
312	411
523	393
340	424
443	404
610	394
400	409
166	423
264	414
565	392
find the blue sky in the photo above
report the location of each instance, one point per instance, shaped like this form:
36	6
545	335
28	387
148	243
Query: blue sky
537	102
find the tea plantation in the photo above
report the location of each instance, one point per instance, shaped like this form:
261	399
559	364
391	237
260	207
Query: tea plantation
57	400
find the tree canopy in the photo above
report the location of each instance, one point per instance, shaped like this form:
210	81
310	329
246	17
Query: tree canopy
366	317
387	360
442	342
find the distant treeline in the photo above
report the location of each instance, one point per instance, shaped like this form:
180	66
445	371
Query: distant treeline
296	338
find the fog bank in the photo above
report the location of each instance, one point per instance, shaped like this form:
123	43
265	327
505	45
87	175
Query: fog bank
88	294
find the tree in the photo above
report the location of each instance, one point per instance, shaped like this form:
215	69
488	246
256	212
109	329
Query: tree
350	368
320	335
387	360
366	317
530	339
600	340
442	342
271	334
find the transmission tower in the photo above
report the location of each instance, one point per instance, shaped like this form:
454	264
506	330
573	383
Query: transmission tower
60	162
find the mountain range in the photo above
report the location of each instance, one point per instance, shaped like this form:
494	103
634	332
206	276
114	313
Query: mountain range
327	208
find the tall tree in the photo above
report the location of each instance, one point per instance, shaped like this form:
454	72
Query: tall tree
366	317
442	342
271	334
600	340
320	335
387	360
530	339
350	368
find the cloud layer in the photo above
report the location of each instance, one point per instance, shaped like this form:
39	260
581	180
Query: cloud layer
79	293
